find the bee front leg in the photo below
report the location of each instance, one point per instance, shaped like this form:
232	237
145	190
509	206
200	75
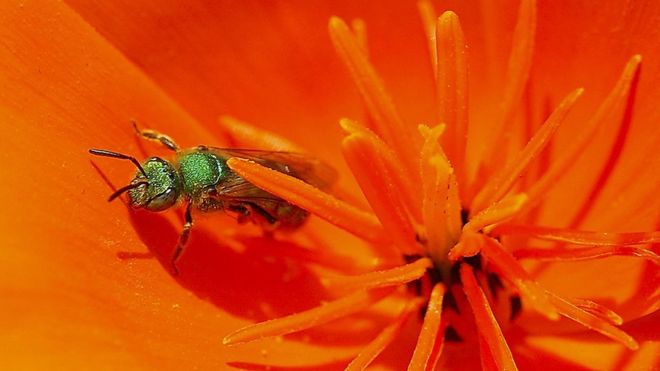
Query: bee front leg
155	136
183	239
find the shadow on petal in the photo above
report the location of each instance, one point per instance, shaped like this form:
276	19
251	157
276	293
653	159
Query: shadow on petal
256	281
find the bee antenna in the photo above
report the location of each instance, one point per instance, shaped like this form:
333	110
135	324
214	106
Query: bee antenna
121	190
121	156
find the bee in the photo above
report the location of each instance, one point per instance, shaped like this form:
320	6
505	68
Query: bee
200	178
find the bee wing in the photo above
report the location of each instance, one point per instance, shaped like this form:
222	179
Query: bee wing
233	187
306	168
236	190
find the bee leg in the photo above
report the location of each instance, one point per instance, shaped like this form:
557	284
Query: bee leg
183	239
263	214
155	136
242	213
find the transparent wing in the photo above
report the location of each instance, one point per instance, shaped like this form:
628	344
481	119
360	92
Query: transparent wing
234	188
306	168
236	194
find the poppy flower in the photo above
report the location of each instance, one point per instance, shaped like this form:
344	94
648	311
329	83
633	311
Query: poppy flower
496	205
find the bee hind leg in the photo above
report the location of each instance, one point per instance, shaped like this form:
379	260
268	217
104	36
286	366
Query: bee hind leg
183	239
155	136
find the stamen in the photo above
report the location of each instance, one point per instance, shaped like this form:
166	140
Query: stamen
325	206
614	153
383	278
309	318
452	85
387	122
469	245
428	16
579	237
485	355
240	134
393	163
367	159
568	157
498	212
520	62
359	27
471	242
375	347
436	213
541	165
454	219
436	172
428	340
597	310
486	322
586	253
502	181
592	322
510	269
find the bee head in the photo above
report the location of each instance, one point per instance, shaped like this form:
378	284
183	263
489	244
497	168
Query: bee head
156	185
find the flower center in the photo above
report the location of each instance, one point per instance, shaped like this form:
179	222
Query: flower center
454	242
447	273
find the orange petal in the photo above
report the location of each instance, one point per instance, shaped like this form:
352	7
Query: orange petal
371	351
259	62
243	135
65	90
429	18
617	97
614	157
520	63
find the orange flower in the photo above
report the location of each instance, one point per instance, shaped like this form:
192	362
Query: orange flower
79	287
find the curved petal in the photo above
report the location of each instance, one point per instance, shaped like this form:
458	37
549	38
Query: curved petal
82	283
588	351
257	61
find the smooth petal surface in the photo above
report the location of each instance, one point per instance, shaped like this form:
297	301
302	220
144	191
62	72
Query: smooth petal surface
82	282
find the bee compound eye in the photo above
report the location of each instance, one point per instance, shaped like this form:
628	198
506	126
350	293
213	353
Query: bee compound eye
162	200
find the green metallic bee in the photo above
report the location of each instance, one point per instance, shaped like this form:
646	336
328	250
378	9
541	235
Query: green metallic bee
201	178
